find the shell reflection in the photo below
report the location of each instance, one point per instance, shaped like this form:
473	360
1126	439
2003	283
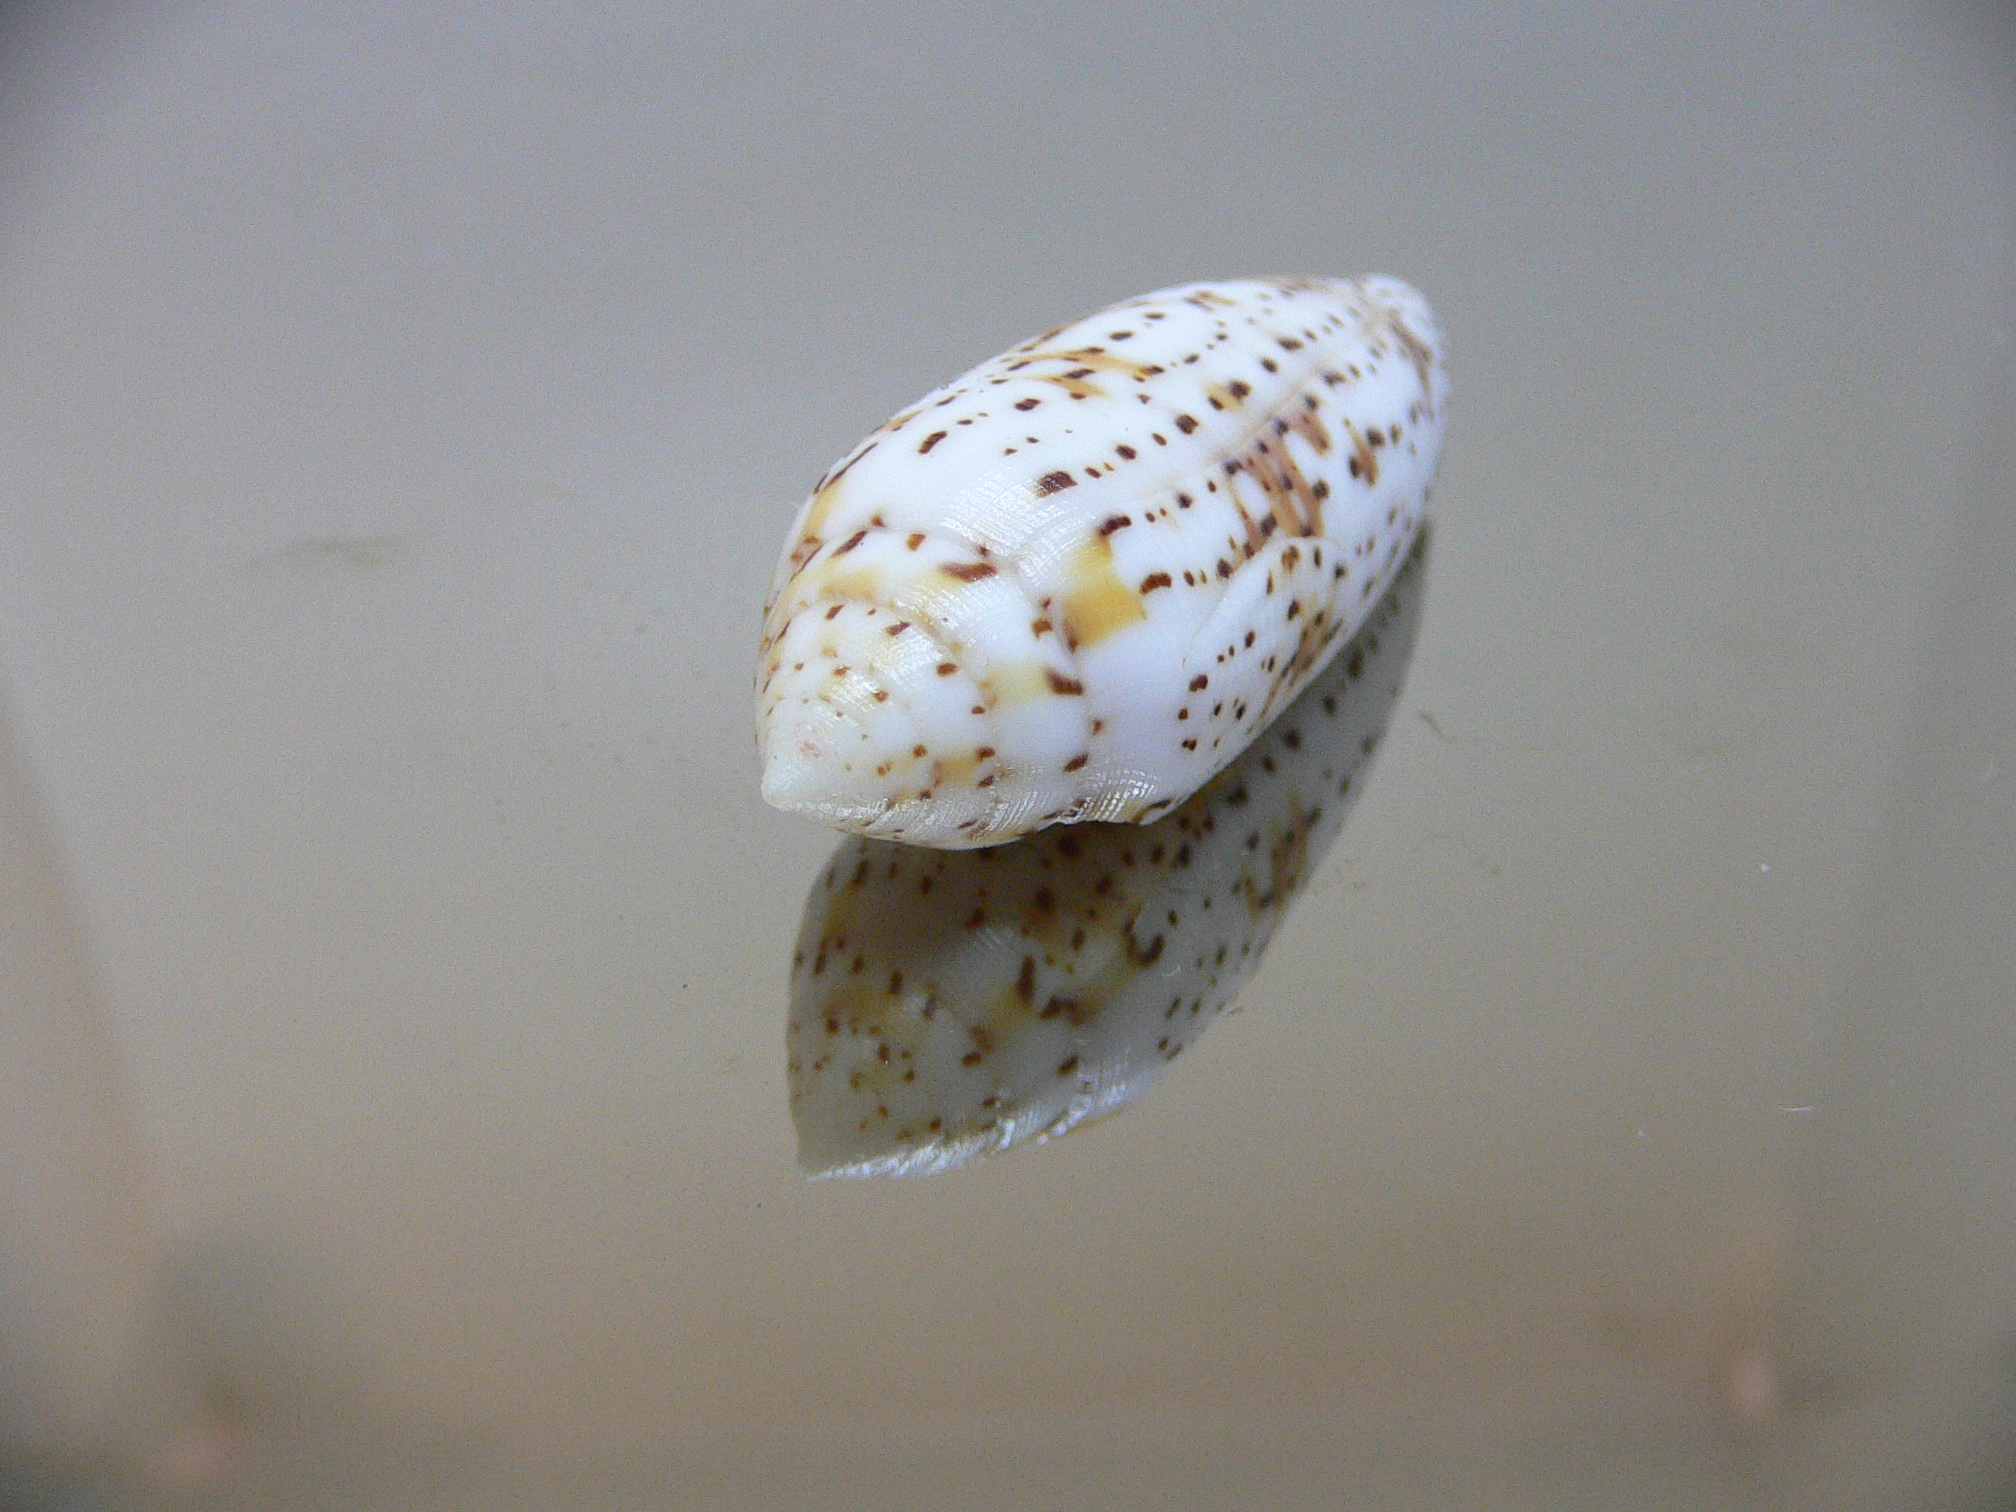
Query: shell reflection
946	1005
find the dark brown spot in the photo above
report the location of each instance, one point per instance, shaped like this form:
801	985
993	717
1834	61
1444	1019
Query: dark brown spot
1185	424
1027	404
850	543
1055	482
1059	683
968	573
1063	1007
1076	762
931	440
1115	522
946	669
1155	580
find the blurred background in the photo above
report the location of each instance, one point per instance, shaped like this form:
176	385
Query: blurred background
400	413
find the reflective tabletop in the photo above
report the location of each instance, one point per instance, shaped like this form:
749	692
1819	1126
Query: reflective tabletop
1566	1062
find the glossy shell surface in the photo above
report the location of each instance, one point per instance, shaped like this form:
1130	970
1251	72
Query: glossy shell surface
1078	580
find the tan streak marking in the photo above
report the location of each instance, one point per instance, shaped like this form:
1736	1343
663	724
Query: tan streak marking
1304	422
1417	351
826	498
1104	362
954	771
1097	603
1017	683
1077	387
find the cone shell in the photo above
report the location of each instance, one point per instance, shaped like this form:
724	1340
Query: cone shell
1077	581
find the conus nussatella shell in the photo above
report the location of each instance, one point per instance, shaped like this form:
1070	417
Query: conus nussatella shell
1078	580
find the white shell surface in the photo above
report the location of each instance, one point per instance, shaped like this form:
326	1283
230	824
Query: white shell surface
1078	580
947	1007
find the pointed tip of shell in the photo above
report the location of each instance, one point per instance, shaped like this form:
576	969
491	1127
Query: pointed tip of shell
805	772
868	722
794	773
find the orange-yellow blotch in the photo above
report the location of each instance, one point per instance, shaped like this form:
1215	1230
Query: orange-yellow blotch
1097	604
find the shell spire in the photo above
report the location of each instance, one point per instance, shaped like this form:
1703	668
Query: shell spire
1078	580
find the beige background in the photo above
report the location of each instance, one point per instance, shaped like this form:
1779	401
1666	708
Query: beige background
399	415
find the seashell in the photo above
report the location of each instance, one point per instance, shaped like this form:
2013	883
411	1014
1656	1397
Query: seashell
946	1006
1075	582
